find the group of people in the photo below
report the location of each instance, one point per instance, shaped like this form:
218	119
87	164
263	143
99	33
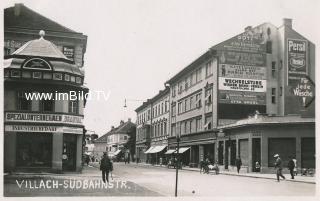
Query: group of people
206	166
292	166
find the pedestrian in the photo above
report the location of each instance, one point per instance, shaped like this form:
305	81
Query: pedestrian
295	172
257	166
238	163
278	167
291	167
106	167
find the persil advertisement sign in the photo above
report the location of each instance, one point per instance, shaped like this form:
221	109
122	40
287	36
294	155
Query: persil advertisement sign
297	58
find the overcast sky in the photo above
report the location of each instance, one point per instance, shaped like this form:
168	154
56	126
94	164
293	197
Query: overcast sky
134	46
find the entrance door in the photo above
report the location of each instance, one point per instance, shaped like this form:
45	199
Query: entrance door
220	153
256	153
69	152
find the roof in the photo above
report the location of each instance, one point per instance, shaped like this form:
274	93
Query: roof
153	99
267	120
125	128
20	16
41	48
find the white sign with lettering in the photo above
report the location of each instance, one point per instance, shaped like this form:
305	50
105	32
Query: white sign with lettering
43	129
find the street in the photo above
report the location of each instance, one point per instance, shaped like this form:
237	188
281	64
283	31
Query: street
137	180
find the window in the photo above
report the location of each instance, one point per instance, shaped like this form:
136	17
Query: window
182	128
208	122
173	129
209	68
148	115
173	112
15	73
47	105
187	104
73	79
191	79
198	75
162	108
198	100
191	103
6	73
78	80
179	107
37	75
173	93
208	99
73	107
273	69
269	47
280	91
165	128
67	77
159	109
186	83
198	124
6	51
23	103
125	137
273	95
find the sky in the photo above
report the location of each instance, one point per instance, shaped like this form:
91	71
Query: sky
135	46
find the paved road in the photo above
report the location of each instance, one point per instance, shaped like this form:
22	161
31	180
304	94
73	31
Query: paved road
191	183
133	180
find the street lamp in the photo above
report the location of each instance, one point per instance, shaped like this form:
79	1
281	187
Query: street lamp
177	165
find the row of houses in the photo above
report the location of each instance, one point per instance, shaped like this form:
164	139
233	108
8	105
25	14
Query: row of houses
249	96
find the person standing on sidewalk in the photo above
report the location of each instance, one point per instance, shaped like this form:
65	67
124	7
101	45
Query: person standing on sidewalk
278	166
291	166
238	163
106	167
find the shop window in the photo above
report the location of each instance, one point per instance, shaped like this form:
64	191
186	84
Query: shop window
285	147
34	150
73	107
23	102
273	69
47	105
269	47
273	95
6	73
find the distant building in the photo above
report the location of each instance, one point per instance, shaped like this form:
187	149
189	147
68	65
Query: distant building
117	141
44	135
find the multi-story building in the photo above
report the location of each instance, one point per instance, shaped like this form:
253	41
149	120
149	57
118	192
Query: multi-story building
117	141
45	134
159	126
249	96
143	132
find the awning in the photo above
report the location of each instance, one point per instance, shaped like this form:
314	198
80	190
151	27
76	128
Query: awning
170	151
88	153
157	149
148	151
117	152
183	149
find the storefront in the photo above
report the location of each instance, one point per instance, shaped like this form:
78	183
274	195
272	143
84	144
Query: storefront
42	134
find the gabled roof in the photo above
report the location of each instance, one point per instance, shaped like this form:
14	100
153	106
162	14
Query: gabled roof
20	16
125	128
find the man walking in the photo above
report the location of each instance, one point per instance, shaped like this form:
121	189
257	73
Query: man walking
238	163
105	166
278	166
291	166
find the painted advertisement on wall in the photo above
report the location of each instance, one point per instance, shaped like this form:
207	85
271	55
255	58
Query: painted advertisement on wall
297	58
242	68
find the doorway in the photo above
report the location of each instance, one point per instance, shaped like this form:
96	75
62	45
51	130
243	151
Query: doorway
256	154
69	152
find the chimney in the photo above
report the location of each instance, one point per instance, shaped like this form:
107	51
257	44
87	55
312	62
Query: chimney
129	119
17	9
112	127
248	28
287	22
121	122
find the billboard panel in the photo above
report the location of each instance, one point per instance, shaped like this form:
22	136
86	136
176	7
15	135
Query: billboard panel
242	71
236	84
240	97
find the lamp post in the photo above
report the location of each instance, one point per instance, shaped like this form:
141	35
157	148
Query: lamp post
177	166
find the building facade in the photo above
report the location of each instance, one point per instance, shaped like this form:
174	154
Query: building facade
266	72
143	132
118	141
41	134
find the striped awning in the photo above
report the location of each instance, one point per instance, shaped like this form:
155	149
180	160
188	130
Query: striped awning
148	151
183	149
170	151
157	149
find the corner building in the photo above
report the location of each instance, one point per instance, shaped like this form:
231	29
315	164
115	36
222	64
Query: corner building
249	96
41	134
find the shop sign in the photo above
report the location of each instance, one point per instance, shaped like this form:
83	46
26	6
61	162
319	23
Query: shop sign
42	129
305	89
234	84
68	51
239	97
253	40
241	71
43	118
297	58
242	58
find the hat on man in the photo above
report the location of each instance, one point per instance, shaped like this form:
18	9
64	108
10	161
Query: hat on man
276	155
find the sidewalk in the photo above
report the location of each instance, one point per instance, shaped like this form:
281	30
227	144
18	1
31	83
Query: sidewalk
302	179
